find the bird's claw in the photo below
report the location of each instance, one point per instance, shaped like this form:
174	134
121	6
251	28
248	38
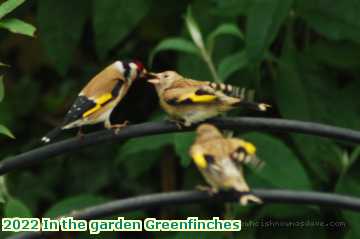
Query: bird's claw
211	191
118	127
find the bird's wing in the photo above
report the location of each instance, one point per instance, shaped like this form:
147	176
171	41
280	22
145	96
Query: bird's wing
102	89
190	95
239	155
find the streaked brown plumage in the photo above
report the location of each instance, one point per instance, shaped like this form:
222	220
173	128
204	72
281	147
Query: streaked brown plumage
193	101
99	97
220	160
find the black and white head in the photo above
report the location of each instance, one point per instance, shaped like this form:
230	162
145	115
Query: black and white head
131	70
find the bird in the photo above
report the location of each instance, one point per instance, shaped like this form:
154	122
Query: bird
191	101
220	160
96	101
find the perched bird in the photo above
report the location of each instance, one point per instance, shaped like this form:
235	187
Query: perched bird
99	97
220	161
192	101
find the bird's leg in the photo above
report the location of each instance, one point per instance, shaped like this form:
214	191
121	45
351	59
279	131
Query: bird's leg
80	134
116	127
210	190
179	123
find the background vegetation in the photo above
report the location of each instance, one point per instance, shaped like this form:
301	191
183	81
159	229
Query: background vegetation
301	56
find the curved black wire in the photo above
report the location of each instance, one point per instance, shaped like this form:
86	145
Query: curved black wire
188	197
150	128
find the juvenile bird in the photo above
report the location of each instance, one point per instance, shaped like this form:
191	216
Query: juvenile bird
99	97
192	101
220	161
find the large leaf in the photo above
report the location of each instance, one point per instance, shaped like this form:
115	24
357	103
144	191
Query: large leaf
114	20
349	184
337	20
4	194
60	27
74	203
2	91
231	64
17	26
194	30
15	208
282	169
321	155
176	44
8	6
264	21
6	131
182	143
224	29
139	155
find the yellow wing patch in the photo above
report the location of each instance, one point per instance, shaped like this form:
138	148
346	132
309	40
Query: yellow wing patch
99	101
197	98
200	160
103	99
249	147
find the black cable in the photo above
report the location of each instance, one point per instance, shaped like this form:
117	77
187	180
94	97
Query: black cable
151	128
187	197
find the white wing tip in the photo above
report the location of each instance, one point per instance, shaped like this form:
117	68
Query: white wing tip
45	139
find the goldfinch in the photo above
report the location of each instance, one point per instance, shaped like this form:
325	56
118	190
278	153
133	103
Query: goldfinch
191	101
220	161
99	97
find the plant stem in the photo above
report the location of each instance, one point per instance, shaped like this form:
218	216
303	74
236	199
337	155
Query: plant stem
211	65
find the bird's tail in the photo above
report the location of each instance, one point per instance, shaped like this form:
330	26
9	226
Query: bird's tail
252	105
51	135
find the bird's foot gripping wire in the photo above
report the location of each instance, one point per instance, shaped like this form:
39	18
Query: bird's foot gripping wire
211	191
118	127
245	199
80	134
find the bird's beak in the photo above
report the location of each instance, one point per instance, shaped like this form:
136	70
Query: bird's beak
154	79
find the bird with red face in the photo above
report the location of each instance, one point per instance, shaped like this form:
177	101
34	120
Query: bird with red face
99	97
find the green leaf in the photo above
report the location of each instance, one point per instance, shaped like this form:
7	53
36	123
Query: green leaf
231	64
114	20
176	44
264	21
6	131
9	6
2	91
321	155
138	155
337	20
224	29
15	208
74	203
349	184
231	8
60	25
280	163
18	26
194	30
340	55
4	194
182	142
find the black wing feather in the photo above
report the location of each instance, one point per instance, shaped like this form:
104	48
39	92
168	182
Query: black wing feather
80	106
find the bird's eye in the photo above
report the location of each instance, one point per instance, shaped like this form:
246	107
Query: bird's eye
166	76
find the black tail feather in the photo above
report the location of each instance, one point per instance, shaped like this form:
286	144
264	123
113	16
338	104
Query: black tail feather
51	135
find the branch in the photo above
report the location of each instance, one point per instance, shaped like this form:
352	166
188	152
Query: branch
188	197
151	128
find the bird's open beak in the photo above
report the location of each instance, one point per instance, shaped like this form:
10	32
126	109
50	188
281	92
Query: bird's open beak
153	78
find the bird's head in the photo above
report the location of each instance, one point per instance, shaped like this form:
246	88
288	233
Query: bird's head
164	79
131	70
207	131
